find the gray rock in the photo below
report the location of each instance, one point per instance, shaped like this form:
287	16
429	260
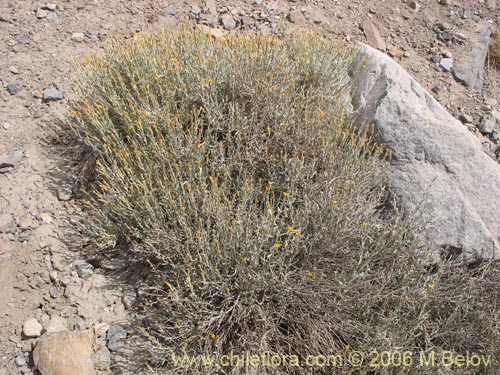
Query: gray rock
486	126
84	269
446	64
170	11
470	69
54	292
228	22
51	6
52	94
11	159
102	358
437	88
434	157
436	59
116	336
20	361
13	88
64	193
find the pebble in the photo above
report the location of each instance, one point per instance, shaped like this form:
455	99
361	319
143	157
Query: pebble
46	217
296	17
13	88
20	361
195	9
41	13
52	94
84	269
414	5
102	358
56	324
466	119
32	328
437	88
6	125
54	292
228	22
446	64
170	10
64	193
116	335
486	126
51	6
436	59
13	70
395	52
78	37
373	36
53	276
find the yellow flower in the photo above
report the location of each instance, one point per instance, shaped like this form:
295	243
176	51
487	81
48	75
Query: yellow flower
309	274
244	259
286	194
365	224
213	336
277	246
348	347
432	286
334	202
290	228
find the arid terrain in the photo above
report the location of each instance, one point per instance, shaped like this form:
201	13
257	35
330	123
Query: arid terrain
44	274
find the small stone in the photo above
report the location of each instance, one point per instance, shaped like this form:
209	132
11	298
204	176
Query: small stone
25	223
444	2
296	17
101	329
84	269
41	13
32	328
51	6
6	125
102	358
46	217
437	88
486	126
414	5
13	88
52	94
466	119
195	9
446	64
447	54
64	193
436	59
395	52
116	335
20	361
78	37
54	292
170	10
228	22
13	70
56	324
53	276
373	36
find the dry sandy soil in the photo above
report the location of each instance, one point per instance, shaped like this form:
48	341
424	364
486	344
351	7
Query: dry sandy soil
42	270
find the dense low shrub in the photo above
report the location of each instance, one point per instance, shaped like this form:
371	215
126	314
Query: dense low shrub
230	167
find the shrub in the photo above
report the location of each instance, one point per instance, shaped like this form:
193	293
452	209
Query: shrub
230	167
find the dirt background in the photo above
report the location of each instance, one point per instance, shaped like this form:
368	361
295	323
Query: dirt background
42	272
